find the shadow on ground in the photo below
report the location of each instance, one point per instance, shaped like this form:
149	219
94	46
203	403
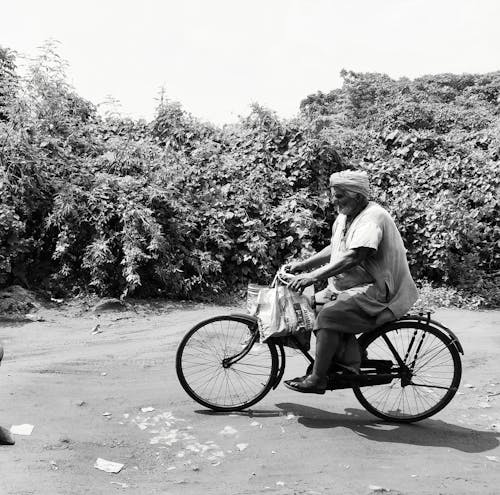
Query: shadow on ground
429	432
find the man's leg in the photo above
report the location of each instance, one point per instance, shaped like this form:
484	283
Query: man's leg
327	343
337	317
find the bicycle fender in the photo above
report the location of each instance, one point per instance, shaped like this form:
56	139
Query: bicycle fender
245	318
252	321
426	320
281	365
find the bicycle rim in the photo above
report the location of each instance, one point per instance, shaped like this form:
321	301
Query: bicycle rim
435	367
202	374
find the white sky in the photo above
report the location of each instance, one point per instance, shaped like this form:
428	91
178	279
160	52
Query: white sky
217	56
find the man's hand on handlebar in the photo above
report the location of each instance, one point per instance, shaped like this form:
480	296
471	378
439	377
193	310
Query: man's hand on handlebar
293	267
296	282
299	282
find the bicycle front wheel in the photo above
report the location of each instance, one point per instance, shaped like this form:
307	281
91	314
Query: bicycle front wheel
424	384
222	366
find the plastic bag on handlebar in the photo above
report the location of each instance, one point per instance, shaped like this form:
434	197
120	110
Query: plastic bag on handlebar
252	296
282	312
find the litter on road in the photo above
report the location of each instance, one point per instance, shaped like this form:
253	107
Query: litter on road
21	429
97	329
228	431
123	485
108	466
33	317
377	489
147	409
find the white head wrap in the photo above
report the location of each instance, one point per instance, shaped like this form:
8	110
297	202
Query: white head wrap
354	181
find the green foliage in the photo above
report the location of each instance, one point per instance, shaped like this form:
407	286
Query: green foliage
8	82
432	297
242	199
47	134
182	208
431	147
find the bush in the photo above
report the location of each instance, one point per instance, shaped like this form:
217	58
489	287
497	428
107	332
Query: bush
182	208
432	150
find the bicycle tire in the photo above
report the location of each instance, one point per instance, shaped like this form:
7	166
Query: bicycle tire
437	370
203	376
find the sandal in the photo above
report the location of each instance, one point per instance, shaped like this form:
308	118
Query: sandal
297	379
304	388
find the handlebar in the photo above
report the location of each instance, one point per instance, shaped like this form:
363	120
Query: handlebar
282	276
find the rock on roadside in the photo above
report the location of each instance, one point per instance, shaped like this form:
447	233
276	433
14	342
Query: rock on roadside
15	300
108	304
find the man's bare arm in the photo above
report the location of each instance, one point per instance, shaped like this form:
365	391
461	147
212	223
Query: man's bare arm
346	261
314	261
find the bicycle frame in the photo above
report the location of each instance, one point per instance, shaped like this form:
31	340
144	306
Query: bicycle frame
346	381
377	376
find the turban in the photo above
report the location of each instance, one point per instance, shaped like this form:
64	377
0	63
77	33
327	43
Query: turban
351	180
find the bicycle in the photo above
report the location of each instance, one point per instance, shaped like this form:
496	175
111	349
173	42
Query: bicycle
410	369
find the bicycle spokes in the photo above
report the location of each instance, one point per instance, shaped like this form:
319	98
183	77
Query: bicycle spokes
426	372
221	364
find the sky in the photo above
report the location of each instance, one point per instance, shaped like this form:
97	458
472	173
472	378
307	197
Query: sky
217	57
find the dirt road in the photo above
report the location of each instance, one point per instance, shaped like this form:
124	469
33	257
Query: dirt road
84	394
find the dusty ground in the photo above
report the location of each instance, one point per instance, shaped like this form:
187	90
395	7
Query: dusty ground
60	378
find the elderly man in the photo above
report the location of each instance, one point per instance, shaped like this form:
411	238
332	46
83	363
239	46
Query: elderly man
369	281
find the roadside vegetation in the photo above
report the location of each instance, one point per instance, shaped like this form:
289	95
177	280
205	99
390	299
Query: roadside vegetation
183	209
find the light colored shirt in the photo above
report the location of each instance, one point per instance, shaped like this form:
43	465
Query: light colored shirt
385	270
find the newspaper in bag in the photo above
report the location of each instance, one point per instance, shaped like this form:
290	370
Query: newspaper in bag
282	312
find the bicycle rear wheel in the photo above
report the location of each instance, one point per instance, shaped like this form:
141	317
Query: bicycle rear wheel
222	366
424	384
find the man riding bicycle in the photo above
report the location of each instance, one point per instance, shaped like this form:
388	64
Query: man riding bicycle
369	281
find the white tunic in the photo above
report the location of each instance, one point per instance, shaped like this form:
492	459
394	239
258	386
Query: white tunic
383	279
